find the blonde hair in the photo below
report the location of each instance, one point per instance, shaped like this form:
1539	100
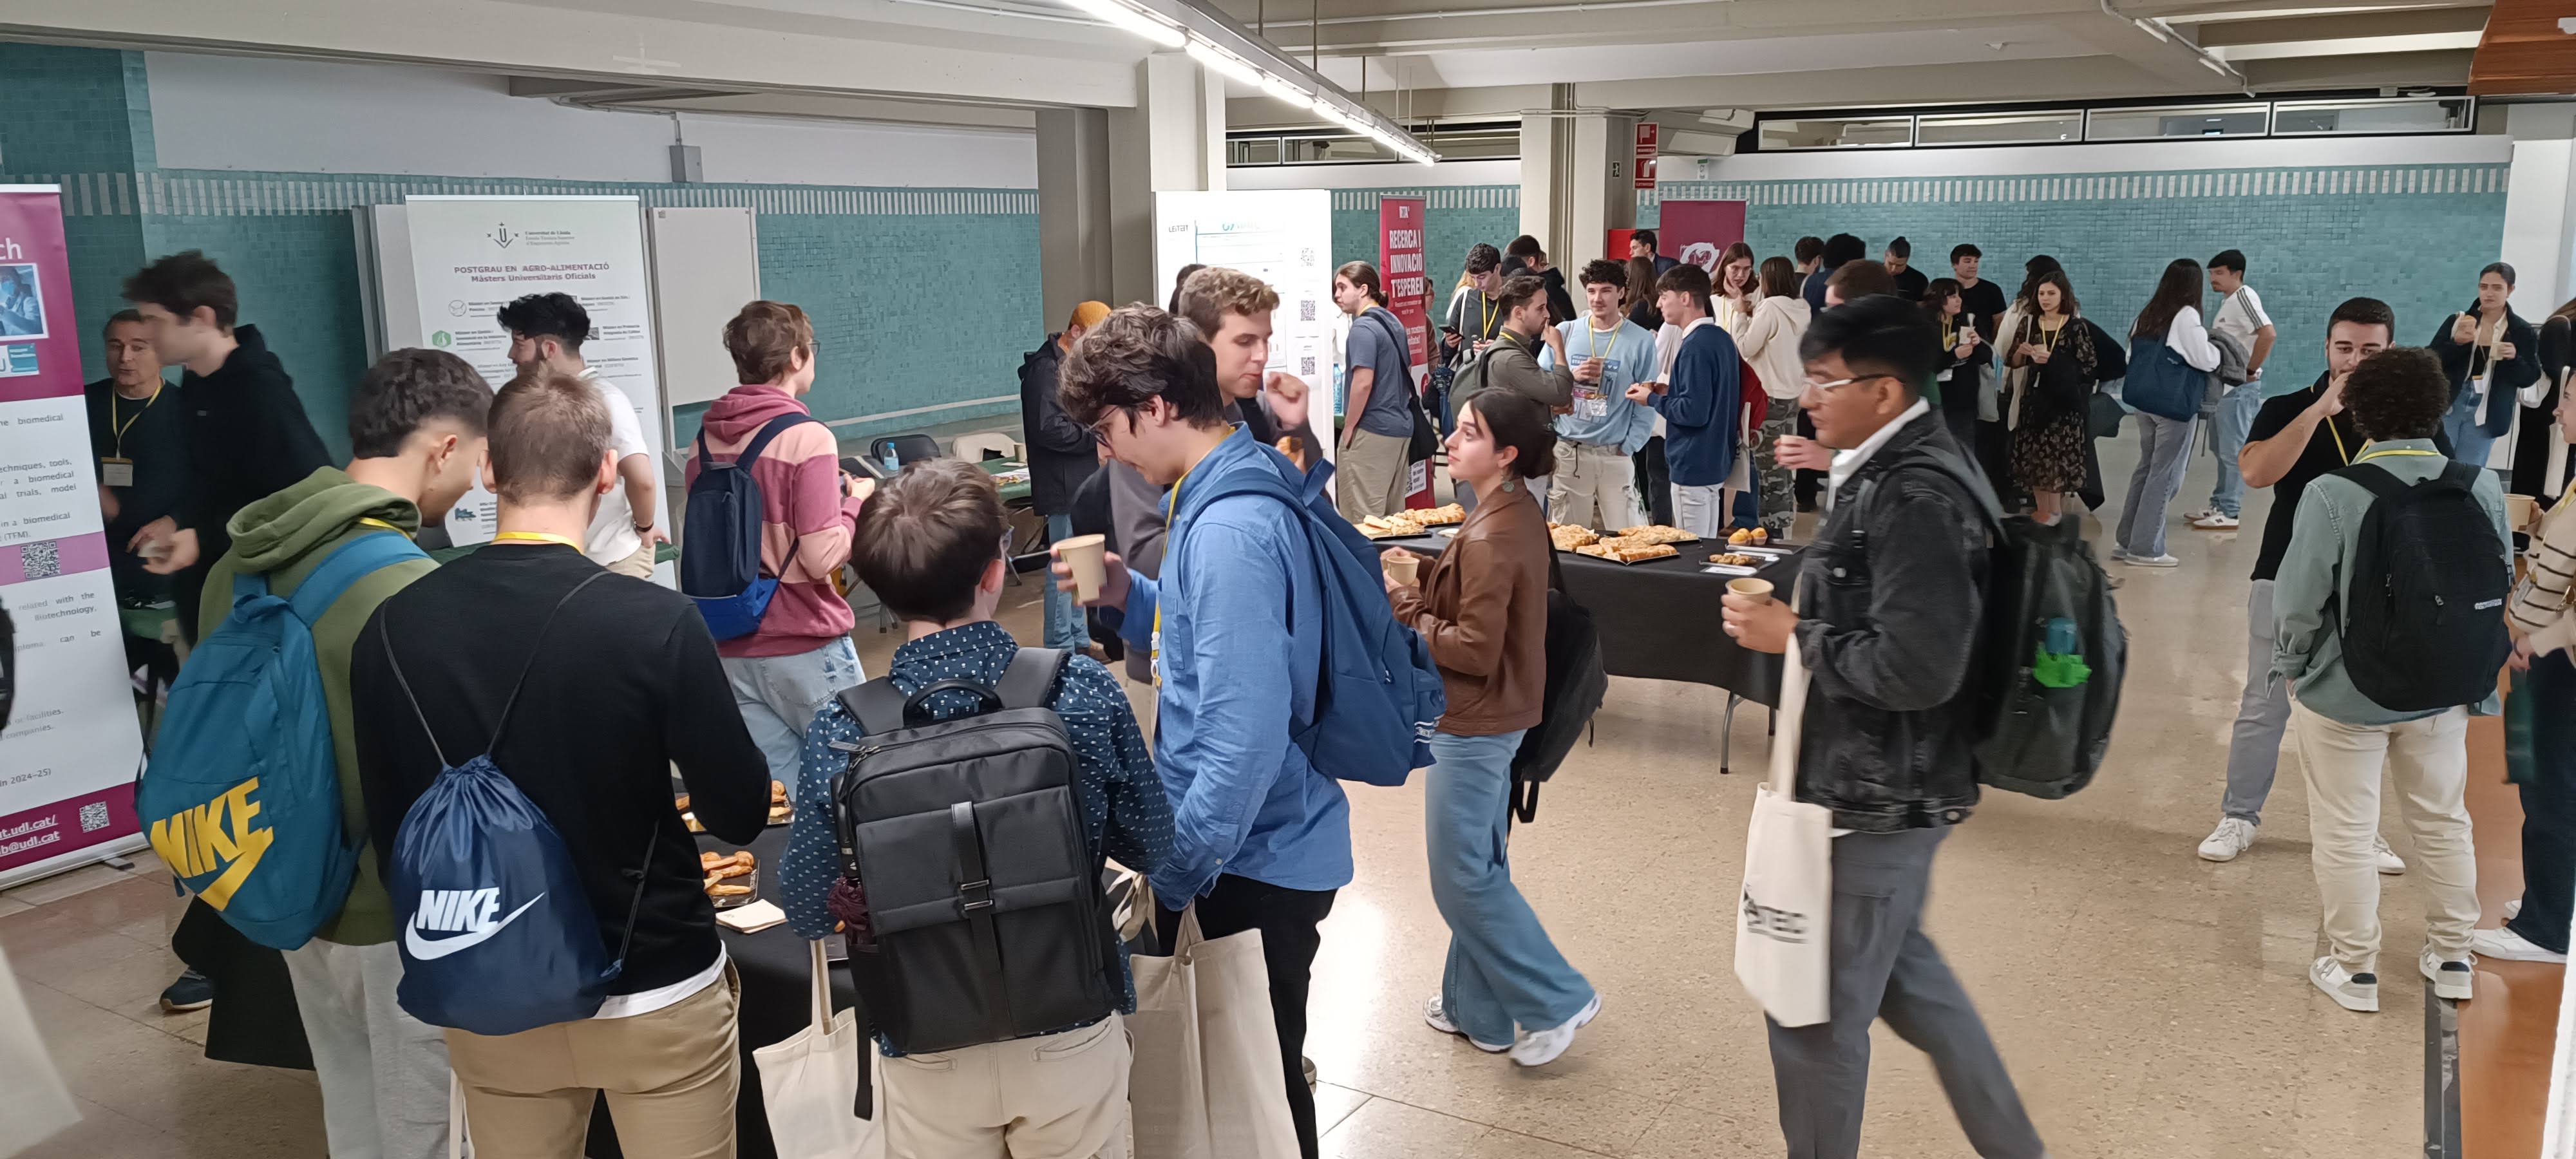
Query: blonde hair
764	337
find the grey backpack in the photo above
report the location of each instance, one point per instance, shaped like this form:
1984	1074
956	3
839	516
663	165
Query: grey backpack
964	836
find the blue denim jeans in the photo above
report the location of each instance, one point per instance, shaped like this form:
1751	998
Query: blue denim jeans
779	695
1064	623
2469	444
2227	431
1503	969
2164	450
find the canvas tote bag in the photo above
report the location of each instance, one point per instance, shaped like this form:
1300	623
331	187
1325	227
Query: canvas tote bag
1784	920
1206	1082
810	1082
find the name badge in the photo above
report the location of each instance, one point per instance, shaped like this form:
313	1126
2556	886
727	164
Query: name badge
115	472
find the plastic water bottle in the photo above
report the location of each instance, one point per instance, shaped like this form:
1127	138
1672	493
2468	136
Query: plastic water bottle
2061	639
893	463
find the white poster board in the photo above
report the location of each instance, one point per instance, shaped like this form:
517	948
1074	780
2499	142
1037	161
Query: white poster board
1285	238
472	255
706	265
69	754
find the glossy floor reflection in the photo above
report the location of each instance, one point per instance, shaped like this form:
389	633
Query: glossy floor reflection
2150	1004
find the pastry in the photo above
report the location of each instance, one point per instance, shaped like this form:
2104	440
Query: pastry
708	859
1760	535
1656	533
1737	559
728	890
1389	527
1568	537
681	803
780	813
1627	550
1741	536
777	792
1440	516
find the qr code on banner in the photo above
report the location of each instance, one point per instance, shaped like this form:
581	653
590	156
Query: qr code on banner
93	817
41	560
1306	366
1305	309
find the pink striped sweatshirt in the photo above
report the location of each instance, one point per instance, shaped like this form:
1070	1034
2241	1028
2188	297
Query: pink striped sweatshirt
801	503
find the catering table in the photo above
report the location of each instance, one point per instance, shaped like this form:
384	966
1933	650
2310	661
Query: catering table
772	965
1658	620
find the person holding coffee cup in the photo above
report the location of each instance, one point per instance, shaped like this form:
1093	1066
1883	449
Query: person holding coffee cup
1482	606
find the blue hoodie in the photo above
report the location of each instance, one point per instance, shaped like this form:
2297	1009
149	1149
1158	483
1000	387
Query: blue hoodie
1245	800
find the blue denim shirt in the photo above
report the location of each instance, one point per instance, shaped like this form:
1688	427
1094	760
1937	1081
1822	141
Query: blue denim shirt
1124	812
1238	670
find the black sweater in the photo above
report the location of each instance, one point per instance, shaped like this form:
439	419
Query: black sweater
625	685
248	438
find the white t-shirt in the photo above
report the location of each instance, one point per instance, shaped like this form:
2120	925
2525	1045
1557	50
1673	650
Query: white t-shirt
2240	316
612	531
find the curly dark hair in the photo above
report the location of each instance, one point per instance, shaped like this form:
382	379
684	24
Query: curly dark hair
1603	271
1135	355
2398	393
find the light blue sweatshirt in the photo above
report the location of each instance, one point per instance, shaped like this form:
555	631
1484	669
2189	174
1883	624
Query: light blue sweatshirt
1238	679
1602	413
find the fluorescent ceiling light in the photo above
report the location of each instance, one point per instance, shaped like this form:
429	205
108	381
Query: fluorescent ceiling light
1223	63
1285	91
1121	16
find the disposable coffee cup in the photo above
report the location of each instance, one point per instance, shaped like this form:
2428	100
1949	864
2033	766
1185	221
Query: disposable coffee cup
1405	568
1082	554
1750	588
2520	510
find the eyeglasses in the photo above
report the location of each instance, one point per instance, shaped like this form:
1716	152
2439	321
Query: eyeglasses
1099	435
1839	383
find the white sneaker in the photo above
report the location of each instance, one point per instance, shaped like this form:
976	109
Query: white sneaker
2234	835
2217	521
2349	990
2450	979
2513	909
1439	1021
2383	857
2150	561
2509	946
2197	516
1541	1047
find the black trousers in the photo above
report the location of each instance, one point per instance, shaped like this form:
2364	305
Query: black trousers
1288	920
1655	482
2549	805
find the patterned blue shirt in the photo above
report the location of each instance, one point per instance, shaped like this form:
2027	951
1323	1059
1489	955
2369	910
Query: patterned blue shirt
1125	813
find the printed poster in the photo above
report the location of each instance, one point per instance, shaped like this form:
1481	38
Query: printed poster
1285	238
473	255
1408	297
70	753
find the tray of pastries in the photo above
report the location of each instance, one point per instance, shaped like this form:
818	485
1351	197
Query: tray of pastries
1438	516
1568	536
732	879
1749	536
1655	533
780	812
1739	559
1390	527
1622	550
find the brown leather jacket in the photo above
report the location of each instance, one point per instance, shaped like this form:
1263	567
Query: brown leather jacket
1483	609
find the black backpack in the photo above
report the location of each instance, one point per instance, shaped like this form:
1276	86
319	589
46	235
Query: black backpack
2424	627
966	839
2044	706
1576	686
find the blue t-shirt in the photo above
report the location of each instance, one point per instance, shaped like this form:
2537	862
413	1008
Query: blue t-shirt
1376	345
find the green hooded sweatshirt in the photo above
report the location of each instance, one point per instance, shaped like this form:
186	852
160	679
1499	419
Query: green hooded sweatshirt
285	536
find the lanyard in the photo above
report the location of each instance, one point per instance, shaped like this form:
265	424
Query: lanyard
373	522
1592	345
535	537
2394	453
1487	307
2049	337
127	425
1949	333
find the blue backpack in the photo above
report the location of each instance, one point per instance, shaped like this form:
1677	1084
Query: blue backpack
2160	382
1380	695
242	798
497	931
720	563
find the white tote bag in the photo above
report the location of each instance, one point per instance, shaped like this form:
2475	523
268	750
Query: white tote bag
810	1082
1206	1082
1784	920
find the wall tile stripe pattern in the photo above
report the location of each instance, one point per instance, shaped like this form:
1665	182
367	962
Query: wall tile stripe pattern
2426	180
203	194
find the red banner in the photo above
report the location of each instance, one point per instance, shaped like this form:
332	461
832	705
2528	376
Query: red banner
1699	231
1408	296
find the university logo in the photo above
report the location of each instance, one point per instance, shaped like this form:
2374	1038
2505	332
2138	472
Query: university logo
464	913
221	837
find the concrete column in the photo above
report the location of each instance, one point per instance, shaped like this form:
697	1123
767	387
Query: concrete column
1173	139
1576	183
1073	210
2540	196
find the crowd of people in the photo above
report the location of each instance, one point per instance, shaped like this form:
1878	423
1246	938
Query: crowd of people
1824	380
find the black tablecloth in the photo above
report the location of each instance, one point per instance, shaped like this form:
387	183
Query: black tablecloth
1659	619
775	985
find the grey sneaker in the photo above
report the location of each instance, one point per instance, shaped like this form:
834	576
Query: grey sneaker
2450	979
1439	1020
2233	836
2356	992
1541	1047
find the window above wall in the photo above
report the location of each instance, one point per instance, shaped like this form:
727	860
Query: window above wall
1950	128
1464	141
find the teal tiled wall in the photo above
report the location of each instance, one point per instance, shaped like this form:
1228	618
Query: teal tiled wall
2414	236
1455	219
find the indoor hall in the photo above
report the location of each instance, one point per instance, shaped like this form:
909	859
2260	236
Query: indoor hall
946	192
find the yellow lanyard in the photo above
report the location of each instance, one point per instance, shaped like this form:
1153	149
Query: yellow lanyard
1592	345
2394	453
2049	337
2337	432
372	522
1487	307
127	425
535	537
1949	334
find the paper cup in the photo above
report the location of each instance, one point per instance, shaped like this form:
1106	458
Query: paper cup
1082	554
1750	588
2520	511
1405	568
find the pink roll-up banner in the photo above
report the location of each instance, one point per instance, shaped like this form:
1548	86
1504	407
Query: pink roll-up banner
71	749
1699	231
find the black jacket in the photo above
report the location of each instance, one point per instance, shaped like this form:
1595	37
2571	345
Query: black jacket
248	438
1061	454
1891	594
2465	363
1560	301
